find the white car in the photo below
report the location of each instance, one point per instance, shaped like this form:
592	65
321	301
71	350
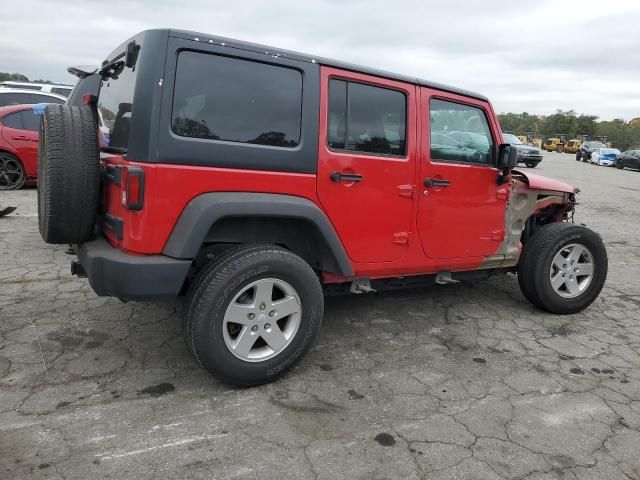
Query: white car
604	156
15	96
63	90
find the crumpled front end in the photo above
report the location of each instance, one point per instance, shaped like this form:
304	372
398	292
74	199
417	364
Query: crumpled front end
535	201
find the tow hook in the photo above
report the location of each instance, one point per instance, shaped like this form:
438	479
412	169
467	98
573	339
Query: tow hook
78	269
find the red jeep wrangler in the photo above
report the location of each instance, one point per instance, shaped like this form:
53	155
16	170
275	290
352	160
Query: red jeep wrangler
250	181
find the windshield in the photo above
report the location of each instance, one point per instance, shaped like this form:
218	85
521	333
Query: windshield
509	138
609	150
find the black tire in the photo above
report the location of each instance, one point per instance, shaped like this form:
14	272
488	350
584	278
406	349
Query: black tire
12	174
619	165
218	284
535	264
578	156
531	165
68	174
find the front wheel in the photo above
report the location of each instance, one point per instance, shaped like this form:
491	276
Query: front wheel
563	268
619	165
253	313
531	165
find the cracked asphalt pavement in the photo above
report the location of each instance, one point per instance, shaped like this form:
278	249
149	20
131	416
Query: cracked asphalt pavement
464	381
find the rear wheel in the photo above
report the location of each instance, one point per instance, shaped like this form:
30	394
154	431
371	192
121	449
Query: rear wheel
563	268
253	313
12	175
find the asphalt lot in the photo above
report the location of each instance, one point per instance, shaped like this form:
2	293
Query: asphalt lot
459	381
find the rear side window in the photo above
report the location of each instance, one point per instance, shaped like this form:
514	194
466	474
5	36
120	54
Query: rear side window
45	99
233	100
13	120
10	98
30	120
61	91
368	119
115	107
459	133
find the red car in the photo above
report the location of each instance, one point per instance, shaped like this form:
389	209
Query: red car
19	131
250	181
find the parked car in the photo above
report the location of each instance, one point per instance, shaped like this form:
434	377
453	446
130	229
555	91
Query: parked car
250	181
628	159
14	96
604	156
63	90
19	127
529	155
586	149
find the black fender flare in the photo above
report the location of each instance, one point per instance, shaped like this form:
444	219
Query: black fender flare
205	210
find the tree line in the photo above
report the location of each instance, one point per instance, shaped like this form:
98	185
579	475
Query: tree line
18	77
622	135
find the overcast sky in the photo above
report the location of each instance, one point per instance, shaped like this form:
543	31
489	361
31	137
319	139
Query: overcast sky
535	56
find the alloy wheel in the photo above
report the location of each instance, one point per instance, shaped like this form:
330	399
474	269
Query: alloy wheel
11	173
262	320
571	270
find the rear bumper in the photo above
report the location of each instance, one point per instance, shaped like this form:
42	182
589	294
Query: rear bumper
113	273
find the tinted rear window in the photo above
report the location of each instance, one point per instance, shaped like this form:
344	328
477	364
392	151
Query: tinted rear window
233	100
115	105
365	118
13	120
30	120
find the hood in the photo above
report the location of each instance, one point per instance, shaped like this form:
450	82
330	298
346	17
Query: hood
544	183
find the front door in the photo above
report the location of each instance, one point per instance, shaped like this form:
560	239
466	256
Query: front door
366	162
461	210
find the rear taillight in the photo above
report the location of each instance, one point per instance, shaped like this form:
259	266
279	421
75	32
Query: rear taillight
132	188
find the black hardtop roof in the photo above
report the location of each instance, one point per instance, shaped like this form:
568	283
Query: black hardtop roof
276	52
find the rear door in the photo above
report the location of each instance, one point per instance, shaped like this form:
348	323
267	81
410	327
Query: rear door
22	139
366	162
461	208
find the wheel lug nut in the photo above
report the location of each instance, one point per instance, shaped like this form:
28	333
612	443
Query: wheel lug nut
254	328
267	326
564	275
564	265
251	316
272	313
262	306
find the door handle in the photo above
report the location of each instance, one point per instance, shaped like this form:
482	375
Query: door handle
346	177
20	137
434	182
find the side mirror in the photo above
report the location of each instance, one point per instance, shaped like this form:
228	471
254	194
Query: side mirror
507	161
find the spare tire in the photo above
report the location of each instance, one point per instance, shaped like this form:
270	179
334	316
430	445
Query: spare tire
68	174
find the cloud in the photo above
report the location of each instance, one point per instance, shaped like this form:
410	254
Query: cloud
535	56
